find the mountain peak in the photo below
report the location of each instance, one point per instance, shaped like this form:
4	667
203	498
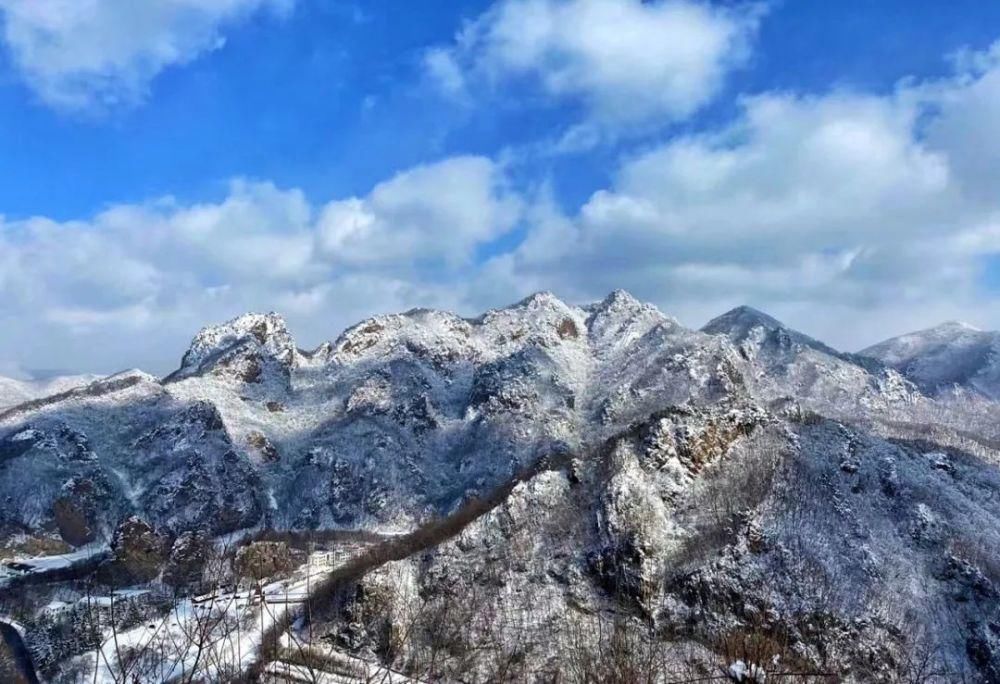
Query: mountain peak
895	350
251	339
738	322
955	326
618	302
539	299
619	319
607	416
619	298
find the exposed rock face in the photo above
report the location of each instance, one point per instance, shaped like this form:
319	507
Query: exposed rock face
138	550
620	320
11	669
984	649
192	475
768	544
786	363
52	479
262	445
71	520
188	555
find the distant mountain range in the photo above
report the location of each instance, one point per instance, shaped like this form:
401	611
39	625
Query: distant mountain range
13	391
952	356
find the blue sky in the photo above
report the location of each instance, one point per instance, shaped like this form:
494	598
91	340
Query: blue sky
172	165
329	99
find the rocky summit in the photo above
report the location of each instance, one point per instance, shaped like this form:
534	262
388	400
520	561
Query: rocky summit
547	492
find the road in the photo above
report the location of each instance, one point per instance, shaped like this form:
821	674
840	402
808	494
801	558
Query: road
22	658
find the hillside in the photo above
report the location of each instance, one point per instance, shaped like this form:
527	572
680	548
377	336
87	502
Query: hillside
738	496
951	357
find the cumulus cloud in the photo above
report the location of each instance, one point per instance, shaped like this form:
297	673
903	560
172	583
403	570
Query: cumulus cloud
78	54
825	208
434	213
160	270
626	61
851	215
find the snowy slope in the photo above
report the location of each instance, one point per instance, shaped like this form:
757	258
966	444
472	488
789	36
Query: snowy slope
949	356
788	363
401	415
844	551
741	470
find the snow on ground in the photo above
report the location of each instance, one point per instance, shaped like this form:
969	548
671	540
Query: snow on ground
213	634
350	670
951	355
404	416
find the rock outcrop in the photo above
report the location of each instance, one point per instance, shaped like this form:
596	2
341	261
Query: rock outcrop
254	349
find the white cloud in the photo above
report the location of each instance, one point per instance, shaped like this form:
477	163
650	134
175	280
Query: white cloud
438	212
825	208
627	61
80	54
851	215
136	281
444	70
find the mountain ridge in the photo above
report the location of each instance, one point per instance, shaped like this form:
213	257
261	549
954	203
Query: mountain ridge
705	471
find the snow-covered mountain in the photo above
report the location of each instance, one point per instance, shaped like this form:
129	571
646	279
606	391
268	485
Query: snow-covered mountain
947	357
703	482
786	363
